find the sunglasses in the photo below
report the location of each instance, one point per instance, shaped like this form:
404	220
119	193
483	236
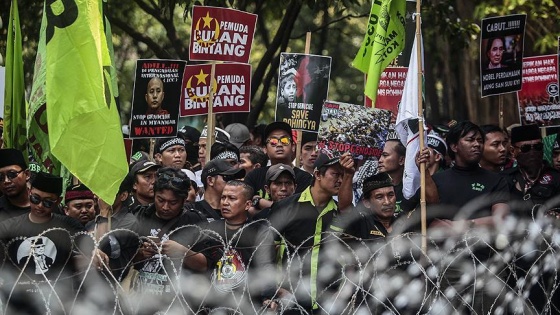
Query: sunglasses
528	147
34	199
275	141
175	182
10	175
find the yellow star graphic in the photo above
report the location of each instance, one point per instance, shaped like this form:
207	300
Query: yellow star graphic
207	19
201	77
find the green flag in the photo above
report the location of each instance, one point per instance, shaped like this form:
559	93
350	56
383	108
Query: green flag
84	126
15	133
383	41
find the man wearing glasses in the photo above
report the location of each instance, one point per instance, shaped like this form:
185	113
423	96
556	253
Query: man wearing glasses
13	184
55	231
532	182
279	148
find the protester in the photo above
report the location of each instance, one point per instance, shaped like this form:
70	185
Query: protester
215	175
301	220
162	251
170	152
532	182
466	181
14	176
191	136
225	151
257	135
40	245
220	136
280	184
239	134
79	203
279	148
144	176
308	151
494	154
437	151
251	157
556	153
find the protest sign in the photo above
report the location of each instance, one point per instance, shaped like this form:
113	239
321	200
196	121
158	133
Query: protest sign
155	102
357	129
389	93
501	54
303	86
221	34
538	98
231	88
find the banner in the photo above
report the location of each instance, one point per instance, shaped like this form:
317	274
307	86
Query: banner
84	124
303	86
15	132
221	34
391	86
156	97
231	89
357	129
501	54
383	41
538	99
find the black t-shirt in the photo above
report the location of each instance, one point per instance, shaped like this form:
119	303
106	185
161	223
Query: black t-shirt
8	210
458	186
360	223
544	188
207	211
257	180
405	205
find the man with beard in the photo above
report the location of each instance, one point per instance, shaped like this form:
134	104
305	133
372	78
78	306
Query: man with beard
13	184
532	182
466	181
494	153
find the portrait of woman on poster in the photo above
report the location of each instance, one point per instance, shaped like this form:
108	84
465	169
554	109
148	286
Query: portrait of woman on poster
495	52
154	97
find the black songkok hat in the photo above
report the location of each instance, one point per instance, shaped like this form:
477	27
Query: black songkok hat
525	133
12	157
376	181
47	183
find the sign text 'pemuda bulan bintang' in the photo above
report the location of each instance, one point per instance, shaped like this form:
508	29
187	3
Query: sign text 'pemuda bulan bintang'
231	89
221	34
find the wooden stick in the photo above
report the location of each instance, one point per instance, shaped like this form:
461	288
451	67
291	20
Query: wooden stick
152	147
299	132
211	125
501	109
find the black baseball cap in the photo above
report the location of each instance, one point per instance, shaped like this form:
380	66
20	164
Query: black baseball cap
221	167
277	125
325	160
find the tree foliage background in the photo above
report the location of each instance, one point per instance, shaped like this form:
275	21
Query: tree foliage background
161	29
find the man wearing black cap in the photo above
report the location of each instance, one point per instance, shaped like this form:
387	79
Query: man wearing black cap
532	181
13	184
280	184
279	148
215	174
170	152
191	136
374	216
41	227
302	220
143	174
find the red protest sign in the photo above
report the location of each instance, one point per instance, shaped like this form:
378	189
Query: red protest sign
231	87
389	93
538	99
221	34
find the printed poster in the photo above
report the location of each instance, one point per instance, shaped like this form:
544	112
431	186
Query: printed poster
221	34
156	97
501	54
347	127
303	86
390	91
538	98
231	89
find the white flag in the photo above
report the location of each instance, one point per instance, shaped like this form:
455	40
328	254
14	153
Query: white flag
407	123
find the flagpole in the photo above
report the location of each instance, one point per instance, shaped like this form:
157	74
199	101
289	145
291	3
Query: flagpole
421	129
211	123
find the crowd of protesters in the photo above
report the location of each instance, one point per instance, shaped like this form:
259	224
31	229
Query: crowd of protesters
247	231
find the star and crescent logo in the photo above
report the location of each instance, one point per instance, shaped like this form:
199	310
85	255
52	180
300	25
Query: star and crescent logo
198	91
208	33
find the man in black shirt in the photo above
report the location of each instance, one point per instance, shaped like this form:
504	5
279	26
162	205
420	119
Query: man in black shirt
467	181
279	148
13	184
143	174
215	174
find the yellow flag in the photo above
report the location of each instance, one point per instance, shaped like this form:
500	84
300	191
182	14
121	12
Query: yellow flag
383	41
83	121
